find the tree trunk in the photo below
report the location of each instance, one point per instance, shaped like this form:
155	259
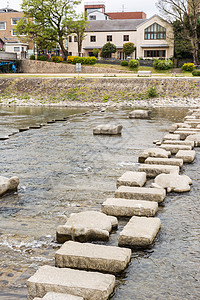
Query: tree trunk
64	50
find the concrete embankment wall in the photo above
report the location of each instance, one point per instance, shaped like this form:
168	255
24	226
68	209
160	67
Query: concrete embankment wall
97	89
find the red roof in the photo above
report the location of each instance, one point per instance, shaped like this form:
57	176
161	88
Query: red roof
127	15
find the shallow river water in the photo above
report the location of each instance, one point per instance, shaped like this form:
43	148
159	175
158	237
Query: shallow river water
63	168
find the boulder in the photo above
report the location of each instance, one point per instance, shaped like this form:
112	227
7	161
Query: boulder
175	148
153	152
164	161
173	182
139	232
86	226
59	296
89	285
107	129
140	114
85	256
8	185
170	136
153	170
132	179
187	156
194	138
175	126
178	142
127	208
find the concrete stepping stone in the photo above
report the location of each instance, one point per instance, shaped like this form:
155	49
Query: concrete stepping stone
193	123
35	126
172	182
107	129
184	134
92	257
175	148
8	184
140	193
153	170
164	161
132	179
175	126
4	137
51	121
23	129
140	114
195	138
170	136
86	226
89	285
179	142
153	152
139	232
127	208
187	156
59	296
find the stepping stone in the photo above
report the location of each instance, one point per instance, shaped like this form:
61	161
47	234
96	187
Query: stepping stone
59	296
173	182
140	193
92	257
89	285
3	138
164	161
184	134
195	138
127	208
86	226
139	232
8	184
175	126
50	122
177	142
170	136
153	170
108	129
153	152
193	123
140	114
35	127
132	179
23	129
187	156
175	148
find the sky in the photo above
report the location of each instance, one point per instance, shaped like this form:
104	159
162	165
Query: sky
148	6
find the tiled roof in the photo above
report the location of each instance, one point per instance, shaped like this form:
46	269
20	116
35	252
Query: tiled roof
127	15
113	25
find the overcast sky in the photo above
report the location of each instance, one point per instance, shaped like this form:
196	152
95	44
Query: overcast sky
148	6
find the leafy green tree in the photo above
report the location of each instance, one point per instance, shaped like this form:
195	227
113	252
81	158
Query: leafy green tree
47	20
128	48
95	52
182	47
108	49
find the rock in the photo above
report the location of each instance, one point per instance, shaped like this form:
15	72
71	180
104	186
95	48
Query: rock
184	134
86	226
170	136
108	129
175	148
153	152
92	257
193	123
4	137
195	138
164	161
140	193
188	156
89	285
139	232
178	142
140	114
35	126
153	170
59	296
173	182
127	208
23	129
156	141
132	179
8	185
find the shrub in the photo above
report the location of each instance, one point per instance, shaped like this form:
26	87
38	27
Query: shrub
108	49
70	59
124	63
32	57
95	52
42	57
188	67
128	48
83	60
57	59
152	92
163	64
133	63
196	73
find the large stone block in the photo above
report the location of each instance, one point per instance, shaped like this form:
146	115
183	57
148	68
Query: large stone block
164	161
179	142
86	226
140	193
93	257
139	232
153	152
173	182
170	136
185	133
187	156
132	179
8	184
59	296
89	285
153	170
195	138
127	208
108	129
175	148
140	114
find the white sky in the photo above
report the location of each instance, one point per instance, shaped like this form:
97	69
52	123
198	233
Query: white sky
148	6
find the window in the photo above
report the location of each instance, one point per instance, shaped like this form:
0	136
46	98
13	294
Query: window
155	32
93	38
13	32
154	53
75	39
70	39
92	17
14	21
109	38
16	49
2	25
126	38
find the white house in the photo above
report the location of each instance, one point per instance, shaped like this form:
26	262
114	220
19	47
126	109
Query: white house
97	15
17	47
153	38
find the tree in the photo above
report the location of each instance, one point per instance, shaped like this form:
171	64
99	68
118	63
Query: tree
182	47
187	12
128	48
47	20
95	52
108	49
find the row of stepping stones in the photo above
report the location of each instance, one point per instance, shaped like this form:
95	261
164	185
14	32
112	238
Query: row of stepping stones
80	267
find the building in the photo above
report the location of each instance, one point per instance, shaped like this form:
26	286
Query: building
153	38
127	15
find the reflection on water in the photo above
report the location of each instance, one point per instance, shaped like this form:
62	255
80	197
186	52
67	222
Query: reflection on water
63	168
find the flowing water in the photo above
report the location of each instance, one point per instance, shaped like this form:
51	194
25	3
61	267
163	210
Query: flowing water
63	168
